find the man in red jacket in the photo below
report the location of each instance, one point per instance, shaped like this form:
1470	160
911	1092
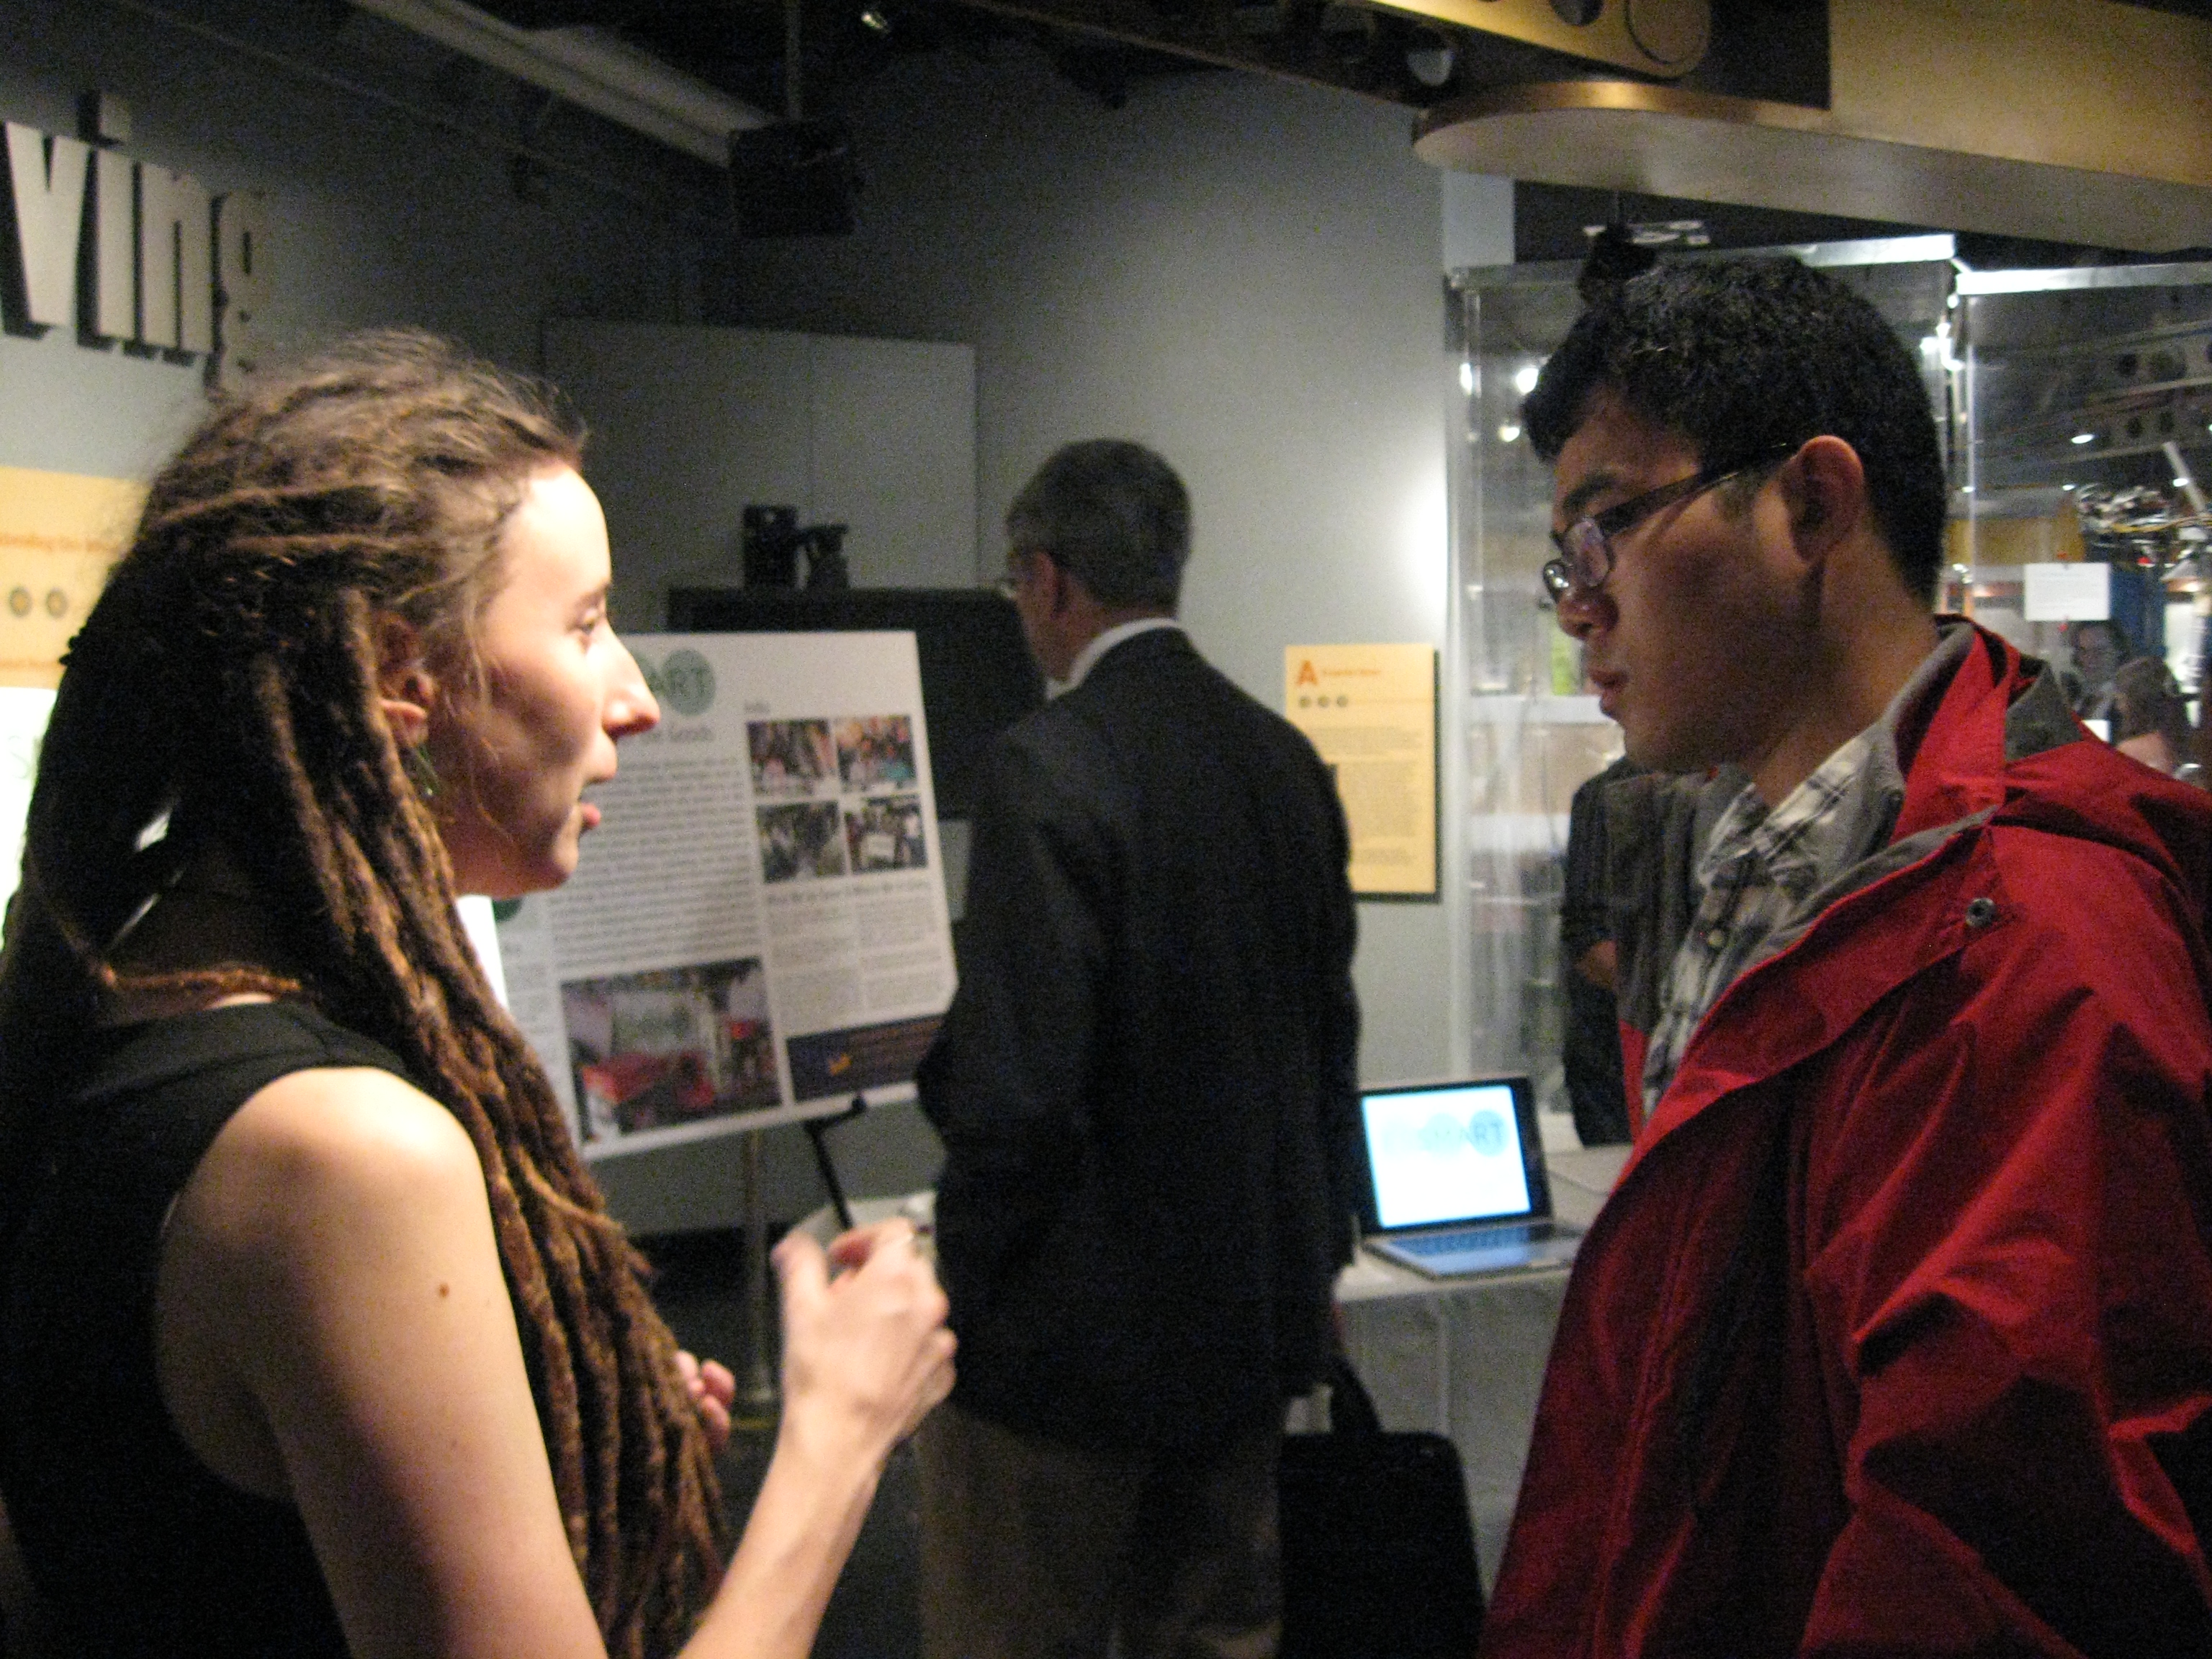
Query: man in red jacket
1896	1336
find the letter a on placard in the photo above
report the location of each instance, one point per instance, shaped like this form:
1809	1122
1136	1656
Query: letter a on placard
46	176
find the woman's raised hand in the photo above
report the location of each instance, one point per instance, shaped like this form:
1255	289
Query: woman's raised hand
866	1352
866	1356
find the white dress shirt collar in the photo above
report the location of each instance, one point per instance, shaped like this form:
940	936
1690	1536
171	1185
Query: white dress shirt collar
1086	659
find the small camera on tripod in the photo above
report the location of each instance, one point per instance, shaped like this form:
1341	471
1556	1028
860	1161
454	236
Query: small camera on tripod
775	543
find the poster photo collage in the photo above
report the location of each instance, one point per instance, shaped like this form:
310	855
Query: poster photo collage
840	798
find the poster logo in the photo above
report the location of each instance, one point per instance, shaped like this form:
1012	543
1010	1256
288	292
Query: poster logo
1306	674
685	682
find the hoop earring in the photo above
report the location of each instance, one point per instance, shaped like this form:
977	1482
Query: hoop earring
422	771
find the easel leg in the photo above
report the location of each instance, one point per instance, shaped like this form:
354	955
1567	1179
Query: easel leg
757	1388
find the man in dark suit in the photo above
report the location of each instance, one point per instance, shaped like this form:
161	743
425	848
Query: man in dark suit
1145	1087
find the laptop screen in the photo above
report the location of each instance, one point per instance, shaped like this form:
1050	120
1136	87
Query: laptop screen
1442	1153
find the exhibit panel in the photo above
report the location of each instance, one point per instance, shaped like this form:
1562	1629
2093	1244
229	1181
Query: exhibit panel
757	933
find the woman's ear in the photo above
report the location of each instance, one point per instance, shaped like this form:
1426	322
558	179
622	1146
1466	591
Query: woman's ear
406	689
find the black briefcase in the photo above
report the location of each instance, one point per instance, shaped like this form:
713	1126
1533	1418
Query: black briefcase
1378	1551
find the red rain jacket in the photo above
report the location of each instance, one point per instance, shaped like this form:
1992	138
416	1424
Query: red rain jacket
1896	1336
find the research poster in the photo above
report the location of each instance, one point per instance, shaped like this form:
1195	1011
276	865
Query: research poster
1370	710
757	931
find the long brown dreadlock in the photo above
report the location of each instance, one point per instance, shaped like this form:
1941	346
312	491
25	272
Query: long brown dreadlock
227	678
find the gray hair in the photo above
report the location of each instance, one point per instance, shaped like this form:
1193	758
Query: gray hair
1112	513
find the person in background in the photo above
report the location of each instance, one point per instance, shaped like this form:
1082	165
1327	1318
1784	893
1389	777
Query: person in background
1596	1089
1146	1086
1895	1336
315	1336
2099	648
2150	718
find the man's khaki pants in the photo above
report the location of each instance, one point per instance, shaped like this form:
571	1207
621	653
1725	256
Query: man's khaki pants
1035	1550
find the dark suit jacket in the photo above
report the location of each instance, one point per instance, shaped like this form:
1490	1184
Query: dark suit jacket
1147	1083
1596	1088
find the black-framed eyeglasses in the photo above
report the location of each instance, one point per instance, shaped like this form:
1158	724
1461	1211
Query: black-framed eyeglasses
1585	546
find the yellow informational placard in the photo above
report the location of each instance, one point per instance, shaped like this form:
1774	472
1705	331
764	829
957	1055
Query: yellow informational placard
59	532
1371	711
23	712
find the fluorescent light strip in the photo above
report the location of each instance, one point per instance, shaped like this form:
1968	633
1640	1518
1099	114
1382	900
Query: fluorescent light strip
591	70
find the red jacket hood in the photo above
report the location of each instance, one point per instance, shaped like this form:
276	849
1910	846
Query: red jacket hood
1958	768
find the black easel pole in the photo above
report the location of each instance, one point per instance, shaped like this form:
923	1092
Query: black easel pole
818	1130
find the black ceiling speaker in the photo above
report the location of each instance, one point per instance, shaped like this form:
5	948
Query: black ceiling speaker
794	179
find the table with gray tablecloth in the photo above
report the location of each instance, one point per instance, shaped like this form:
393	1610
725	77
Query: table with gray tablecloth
1464	1358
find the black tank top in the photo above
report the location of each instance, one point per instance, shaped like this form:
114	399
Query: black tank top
139	1547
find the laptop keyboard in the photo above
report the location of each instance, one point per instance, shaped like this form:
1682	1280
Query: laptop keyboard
1475	1238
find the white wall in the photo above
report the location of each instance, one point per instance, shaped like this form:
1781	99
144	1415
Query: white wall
1243	272
691	424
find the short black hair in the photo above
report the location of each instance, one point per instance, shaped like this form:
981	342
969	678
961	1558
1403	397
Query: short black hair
1746	357
1113	514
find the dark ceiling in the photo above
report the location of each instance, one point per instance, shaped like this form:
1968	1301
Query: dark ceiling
1767	49
1773	49
1762	48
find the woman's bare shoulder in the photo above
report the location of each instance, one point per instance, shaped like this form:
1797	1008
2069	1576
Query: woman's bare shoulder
342	1135
324	1179
339	1331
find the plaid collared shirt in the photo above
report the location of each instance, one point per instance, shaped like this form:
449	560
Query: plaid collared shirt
1755	872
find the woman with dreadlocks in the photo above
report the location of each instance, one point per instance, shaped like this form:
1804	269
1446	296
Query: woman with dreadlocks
317	1338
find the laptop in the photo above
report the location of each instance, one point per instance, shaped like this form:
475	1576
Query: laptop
1455	1179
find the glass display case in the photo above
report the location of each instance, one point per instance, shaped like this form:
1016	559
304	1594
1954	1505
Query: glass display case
2072	405
2084	400
1528	735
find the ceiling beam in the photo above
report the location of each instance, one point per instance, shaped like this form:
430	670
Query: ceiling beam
2079	121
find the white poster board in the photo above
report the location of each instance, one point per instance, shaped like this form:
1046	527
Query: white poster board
2066	592
757	932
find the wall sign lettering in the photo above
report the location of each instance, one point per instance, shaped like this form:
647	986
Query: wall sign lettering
131	252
